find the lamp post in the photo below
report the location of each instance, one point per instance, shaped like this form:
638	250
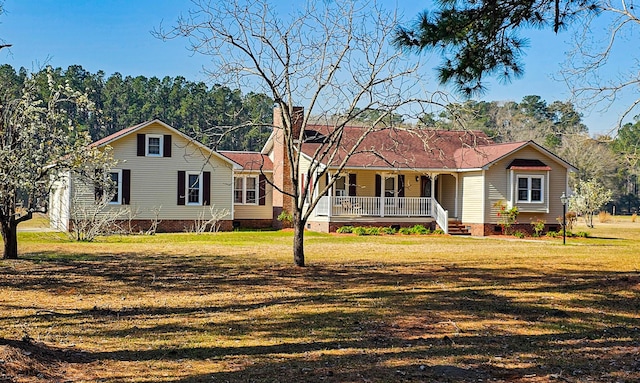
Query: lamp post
564	200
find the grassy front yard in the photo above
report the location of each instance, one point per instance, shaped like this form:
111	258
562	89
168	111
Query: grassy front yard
230	307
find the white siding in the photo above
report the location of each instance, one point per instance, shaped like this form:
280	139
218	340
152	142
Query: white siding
154	179
265	211
472	185
499	186
59	202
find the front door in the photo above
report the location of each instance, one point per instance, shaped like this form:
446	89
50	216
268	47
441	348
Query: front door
425	186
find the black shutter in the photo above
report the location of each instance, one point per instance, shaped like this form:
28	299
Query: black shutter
126	186
352	184
401	185
378	185
181	187
206	188
141	145
262	190
166	149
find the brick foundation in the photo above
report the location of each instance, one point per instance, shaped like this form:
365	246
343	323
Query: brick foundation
169	226
480	230
252	224
332	227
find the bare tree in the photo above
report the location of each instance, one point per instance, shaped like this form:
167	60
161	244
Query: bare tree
209	222
334	58
585	70
592	157
90	220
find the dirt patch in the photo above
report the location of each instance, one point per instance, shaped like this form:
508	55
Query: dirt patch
28	361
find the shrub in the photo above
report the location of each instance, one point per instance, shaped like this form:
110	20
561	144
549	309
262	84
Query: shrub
506	217
582	234
538	227
518	234
405	230
438	231
373	230
345	230
571	218
604	217
419	229
553	234
388	230
360	231
286	218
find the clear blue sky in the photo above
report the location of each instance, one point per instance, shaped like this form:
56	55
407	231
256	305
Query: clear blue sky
114	36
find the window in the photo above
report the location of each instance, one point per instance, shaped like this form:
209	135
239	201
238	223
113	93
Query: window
340	187
245	190
251	190
238	190
530	189
154	145
194	191
389	189
116	187
194	188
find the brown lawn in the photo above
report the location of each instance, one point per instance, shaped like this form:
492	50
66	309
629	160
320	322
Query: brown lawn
230	307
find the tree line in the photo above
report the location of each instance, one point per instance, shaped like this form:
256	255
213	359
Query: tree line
191	107
610	161
227	119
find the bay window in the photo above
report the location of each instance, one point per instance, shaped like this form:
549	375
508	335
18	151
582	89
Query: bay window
530	189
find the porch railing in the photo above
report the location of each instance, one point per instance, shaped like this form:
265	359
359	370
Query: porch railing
441	216
375	206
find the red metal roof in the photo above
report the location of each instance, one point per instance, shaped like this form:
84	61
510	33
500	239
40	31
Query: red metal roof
250	160
411	148
117	134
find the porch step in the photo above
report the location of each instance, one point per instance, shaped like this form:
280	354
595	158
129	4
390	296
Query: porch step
457	228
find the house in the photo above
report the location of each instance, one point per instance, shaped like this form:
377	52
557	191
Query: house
452	179
161	174
406	177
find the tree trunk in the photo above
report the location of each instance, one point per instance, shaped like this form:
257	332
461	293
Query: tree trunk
10	239
298	242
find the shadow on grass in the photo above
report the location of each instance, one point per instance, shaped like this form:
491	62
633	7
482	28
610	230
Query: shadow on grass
369	322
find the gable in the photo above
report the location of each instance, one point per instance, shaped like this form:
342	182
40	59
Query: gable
169	139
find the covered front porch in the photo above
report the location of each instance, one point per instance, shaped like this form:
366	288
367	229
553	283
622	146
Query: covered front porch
356	208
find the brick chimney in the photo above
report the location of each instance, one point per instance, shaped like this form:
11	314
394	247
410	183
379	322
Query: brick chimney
282	176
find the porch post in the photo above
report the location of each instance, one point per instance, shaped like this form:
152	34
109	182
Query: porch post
433	185
455	208
329	196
